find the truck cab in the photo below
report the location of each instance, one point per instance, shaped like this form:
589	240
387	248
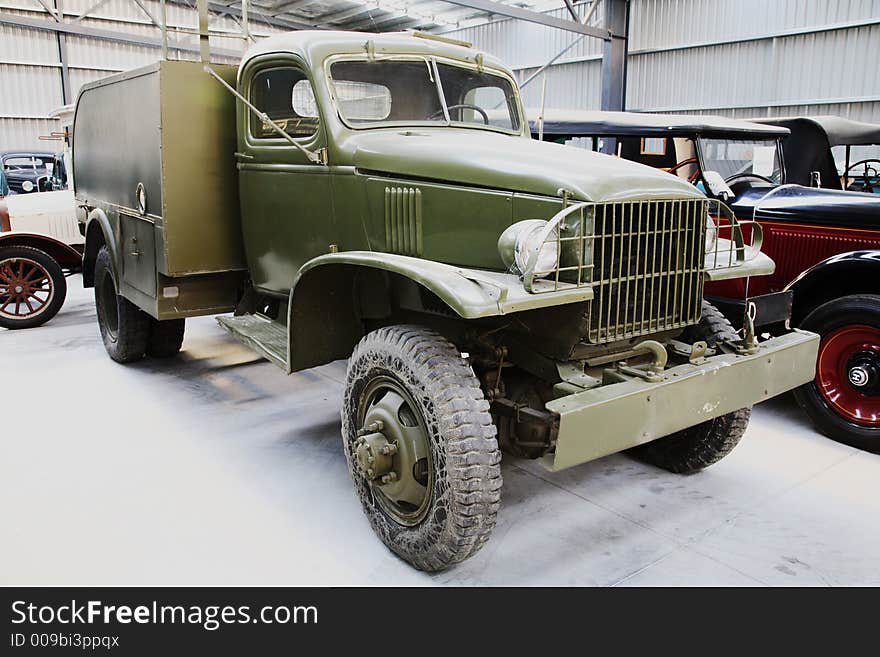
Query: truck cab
378	197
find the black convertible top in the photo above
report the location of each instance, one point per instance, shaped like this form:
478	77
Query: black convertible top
595	122
839	131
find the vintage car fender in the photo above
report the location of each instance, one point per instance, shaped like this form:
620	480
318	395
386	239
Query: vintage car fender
66	256
317	298
852	272
4	216
98	233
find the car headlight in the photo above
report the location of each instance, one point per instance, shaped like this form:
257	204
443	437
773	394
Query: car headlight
519	242
27	185
711	233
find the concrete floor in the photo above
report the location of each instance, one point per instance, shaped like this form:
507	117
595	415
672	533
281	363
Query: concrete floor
218	469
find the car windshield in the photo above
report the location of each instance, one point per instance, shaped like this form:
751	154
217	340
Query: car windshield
860	157
408	91
733	158
18	162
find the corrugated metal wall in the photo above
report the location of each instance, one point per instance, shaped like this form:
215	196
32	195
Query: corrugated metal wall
30	64
734	57
738	58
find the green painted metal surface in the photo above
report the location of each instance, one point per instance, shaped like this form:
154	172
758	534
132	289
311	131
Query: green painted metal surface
472	182
470	293
615	417
177	142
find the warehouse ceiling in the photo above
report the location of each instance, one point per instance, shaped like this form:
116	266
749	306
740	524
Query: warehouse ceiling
387	15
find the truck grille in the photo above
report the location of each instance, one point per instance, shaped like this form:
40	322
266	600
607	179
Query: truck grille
647	267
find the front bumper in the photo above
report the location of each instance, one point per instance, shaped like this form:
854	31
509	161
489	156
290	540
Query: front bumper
612	418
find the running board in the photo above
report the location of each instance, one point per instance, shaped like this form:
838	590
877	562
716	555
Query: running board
265	336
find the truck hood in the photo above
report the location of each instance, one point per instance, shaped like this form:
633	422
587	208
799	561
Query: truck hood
486	159
827	207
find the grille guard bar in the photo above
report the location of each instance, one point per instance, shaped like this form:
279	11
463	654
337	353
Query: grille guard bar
732	247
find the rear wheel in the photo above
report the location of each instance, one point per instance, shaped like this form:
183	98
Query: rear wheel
421	446
32	287
125	329
166	337
699	446
843	401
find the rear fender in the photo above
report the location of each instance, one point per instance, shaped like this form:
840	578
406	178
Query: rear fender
98	233
853	272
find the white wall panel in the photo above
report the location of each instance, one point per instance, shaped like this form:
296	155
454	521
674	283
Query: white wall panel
683	56
24	134
27	46
733	57
28	91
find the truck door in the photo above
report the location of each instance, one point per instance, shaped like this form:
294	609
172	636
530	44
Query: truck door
285	198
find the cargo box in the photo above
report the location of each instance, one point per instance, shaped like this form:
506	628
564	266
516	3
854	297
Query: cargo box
154	150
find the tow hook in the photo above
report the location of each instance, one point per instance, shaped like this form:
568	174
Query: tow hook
654	371
749	343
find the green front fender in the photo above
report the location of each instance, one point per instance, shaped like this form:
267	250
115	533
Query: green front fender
471	293
324	324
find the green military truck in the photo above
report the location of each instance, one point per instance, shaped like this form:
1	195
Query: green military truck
379	198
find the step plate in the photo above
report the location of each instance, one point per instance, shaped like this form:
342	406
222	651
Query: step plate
265	336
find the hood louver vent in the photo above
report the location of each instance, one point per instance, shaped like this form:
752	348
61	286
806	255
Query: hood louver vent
403	220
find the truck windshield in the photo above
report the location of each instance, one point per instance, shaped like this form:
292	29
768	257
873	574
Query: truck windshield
406	91
734	158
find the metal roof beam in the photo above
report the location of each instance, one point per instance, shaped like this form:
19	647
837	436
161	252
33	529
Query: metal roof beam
106	35
492	7
256	14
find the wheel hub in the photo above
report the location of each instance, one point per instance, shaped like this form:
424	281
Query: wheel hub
375	455
864	371
391	451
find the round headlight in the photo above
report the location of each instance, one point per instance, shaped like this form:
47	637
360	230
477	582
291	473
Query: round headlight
711	233
521	241
27	185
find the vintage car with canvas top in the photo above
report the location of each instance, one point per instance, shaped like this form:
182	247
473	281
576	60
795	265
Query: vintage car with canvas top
824	240
831	152
353	200
40	244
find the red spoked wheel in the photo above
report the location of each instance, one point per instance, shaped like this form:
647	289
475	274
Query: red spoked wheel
843	400
32	287
848	373
25	288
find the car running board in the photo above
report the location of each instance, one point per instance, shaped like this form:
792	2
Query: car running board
265	336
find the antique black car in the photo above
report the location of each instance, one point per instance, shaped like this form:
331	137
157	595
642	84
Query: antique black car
831	152
825	241
30	171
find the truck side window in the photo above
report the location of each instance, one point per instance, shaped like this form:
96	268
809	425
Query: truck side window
286	96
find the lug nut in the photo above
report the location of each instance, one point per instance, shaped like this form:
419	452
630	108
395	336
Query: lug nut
389	450
370	473
388	478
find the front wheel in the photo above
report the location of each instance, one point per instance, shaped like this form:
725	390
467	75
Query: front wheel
421	446
32	287
701	445
843	401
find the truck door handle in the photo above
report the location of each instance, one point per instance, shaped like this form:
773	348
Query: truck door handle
244	156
